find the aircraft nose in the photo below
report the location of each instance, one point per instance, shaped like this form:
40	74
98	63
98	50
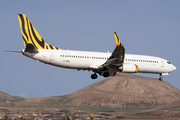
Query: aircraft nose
173	68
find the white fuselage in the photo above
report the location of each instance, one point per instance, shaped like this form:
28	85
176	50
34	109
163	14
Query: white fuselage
105	64
93	60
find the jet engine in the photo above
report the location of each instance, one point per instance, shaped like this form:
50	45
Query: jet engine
129	68
107	73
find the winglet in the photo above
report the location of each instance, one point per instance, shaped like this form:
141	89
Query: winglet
118	42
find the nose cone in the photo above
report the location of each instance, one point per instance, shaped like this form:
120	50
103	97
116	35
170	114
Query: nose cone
173	68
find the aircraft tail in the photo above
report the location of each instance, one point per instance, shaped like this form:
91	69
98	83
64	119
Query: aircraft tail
31	36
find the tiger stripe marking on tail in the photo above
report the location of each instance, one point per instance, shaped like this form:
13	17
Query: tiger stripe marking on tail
31	36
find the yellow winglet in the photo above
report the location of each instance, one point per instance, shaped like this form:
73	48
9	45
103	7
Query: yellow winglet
118	42
31	36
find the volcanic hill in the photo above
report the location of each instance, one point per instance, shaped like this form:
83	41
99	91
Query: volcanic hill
5	96
124	90
121	92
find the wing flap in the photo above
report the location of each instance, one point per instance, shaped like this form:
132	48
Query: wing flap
94	66
109	61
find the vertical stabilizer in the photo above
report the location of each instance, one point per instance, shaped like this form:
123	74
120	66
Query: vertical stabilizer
31	36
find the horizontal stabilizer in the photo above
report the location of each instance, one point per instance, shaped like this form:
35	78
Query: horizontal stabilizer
30	48
13	51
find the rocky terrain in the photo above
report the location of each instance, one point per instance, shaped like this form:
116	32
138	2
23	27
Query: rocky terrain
54	114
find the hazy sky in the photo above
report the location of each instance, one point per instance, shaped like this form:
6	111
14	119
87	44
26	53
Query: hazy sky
147	27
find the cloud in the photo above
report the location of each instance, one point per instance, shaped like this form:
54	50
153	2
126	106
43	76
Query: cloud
24	95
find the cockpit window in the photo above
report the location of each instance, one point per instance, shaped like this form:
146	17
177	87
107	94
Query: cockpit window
168	62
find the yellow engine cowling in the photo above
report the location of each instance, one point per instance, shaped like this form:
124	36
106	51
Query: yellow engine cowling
129	68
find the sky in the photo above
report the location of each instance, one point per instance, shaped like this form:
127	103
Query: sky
146	27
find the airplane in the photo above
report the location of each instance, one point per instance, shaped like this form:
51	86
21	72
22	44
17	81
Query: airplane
104	64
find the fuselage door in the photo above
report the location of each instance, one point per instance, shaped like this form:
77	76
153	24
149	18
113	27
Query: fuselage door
52	56
162	63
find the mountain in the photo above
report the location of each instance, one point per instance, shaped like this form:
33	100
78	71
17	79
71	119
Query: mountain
121	91
175	106
5	96
124	90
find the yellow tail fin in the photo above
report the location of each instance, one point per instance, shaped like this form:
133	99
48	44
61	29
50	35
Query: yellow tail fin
31	36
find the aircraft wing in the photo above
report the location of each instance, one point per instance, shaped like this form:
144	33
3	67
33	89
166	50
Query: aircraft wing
117	57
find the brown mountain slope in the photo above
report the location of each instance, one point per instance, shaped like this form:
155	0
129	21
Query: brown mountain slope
175	106
172	109
5	96
125	90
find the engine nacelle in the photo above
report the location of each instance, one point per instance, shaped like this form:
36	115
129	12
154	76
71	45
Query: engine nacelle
107	73
129	68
